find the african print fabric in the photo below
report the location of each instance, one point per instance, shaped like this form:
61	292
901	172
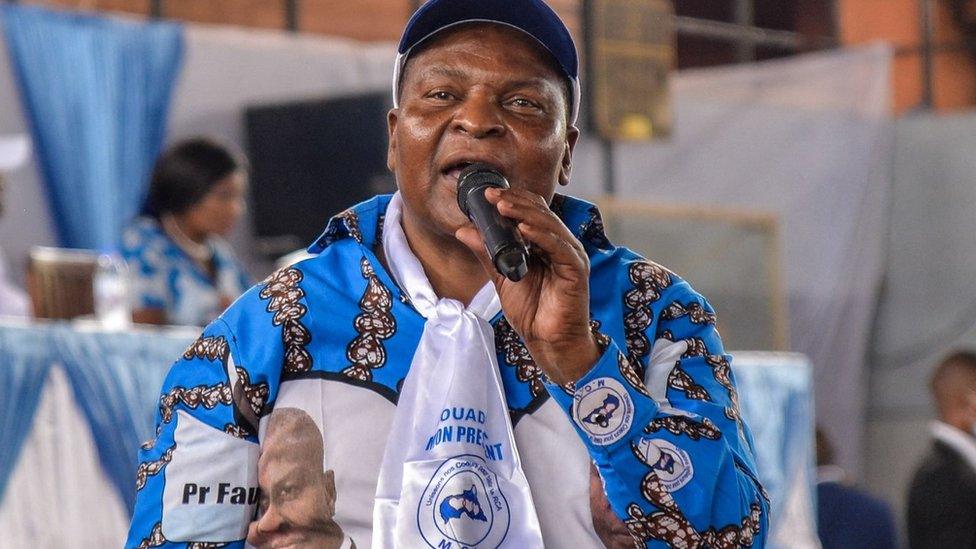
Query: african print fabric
163	277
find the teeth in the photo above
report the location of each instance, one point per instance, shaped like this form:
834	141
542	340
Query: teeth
455	170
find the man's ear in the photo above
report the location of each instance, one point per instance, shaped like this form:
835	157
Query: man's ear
391	122
566	166
330	488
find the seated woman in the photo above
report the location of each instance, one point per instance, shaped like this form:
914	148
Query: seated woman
182	270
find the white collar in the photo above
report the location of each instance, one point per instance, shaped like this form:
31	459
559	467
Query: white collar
962	442
409	274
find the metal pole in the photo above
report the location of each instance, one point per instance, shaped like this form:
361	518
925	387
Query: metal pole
745	48
835	19
732	32
291	15
928	31
606	145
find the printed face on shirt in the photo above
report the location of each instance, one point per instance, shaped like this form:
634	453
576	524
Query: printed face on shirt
477	93
220	209
297	497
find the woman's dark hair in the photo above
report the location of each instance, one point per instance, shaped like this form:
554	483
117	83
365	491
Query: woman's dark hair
185	173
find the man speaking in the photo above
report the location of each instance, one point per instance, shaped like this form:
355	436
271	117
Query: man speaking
546	389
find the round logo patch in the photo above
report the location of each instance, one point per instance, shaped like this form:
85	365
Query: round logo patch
604	410
463	506
672	464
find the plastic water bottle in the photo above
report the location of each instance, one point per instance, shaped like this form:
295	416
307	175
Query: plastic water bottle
111	292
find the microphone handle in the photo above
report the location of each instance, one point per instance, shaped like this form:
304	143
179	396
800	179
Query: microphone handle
501	237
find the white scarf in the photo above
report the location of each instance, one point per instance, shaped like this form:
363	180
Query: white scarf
451	475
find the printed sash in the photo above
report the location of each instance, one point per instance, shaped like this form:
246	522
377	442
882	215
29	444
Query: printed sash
451	475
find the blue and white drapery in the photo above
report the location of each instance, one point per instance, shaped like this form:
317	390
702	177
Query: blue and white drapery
114	377
96	92
22	377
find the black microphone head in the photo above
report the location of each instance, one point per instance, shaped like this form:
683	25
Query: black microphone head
474	176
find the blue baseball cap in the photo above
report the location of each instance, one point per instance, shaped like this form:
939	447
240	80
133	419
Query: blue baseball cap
533	17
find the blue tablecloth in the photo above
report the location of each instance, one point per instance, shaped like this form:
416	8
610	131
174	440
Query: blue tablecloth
776	399
116	376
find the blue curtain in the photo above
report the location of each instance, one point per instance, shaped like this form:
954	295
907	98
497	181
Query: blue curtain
96	92
22	375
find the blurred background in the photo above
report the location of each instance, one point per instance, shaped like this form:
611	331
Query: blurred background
808	165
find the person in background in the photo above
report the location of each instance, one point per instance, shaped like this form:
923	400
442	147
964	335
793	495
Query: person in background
942	496
848	518
13	300
181	268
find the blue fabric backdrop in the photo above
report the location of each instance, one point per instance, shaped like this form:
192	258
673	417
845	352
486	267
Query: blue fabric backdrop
22	377
96	92
115	378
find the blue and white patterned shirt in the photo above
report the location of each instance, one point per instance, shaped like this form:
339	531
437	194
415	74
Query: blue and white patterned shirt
334	336
163	276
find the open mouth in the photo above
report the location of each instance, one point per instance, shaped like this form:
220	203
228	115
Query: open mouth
454	170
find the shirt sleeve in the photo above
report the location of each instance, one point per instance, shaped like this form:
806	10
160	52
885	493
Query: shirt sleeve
197	478
660	418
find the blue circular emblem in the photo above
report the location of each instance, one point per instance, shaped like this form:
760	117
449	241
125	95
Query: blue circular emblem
463	506
603	410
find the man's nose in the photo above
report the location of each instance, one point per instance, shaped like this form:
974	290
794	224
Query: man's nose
271	520
479	115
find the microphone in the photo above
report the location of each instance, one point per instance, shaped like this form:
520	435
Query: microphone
504	244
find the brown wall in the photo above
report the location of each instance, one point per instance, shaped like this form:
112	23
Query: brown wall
361	19
899	22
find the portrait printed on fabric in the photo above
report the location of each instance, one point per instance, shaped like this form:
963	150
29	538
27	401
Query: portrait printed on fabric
298	497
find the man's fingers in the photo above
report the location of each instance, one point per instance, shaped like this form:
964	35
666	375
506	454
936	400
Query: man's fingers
555	247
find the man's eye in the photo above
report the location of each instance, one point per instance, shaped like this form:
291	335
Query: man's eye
523	103
286	492
441	96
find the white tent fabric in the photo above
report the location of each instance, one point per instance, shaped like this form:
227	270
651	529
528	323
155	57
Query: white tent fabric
928	306
809	138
